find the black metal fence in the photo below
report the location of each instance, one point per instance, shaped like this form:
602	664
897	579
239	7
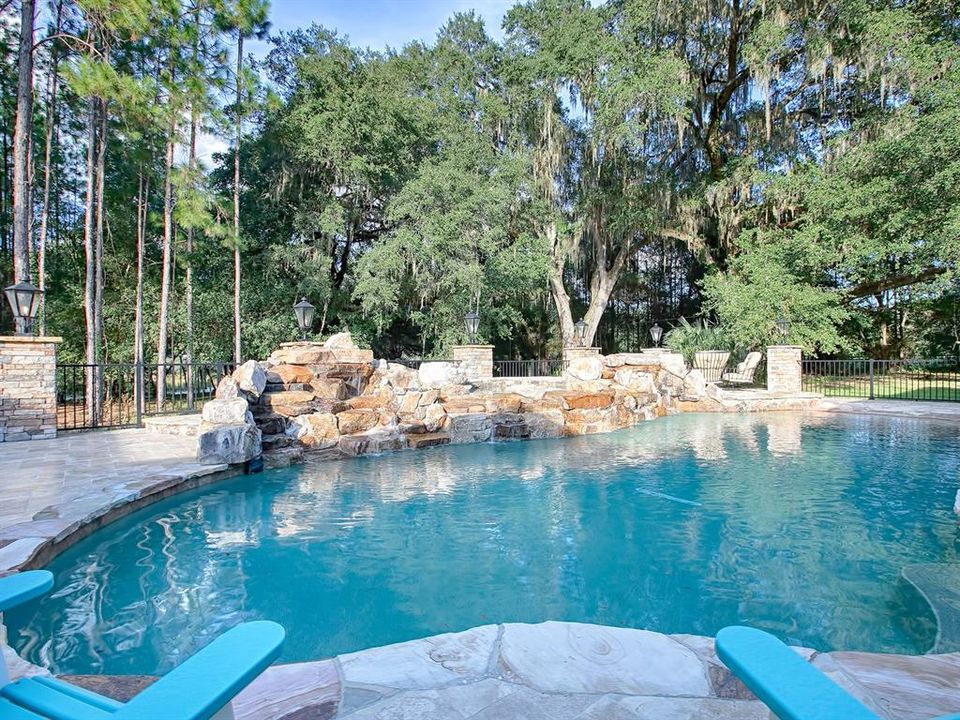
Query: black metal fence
118	395
930	379
529	368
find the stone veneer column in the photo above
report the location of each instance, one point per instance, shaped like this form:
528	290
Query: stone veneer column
28	388
476	360
784	371
575	351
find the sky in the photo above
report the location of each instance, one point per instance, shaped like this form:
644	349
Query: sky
378	24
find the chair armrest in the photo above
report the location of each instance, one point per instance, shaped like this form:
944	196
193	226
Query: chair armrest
23	587
204	683
786	683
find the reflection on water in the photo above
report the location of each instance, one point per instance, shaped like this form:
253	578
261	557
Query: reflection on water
686	524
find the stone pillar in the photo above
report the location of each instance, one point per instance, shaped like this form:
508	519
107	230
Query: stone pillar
28	388
784	369
575	351
476	360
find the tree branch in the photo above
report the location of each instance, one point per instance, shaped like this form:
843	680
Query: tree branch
894	282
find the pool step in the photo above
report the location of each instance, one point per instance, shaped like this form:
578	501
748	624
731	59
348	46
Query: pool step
939	584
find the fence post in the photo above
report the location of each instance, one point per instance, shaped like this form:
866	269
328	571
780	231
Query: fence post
871	378
138	383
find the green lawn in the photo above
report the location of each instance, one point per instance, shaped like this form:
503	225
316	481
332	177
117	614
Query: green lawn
900	386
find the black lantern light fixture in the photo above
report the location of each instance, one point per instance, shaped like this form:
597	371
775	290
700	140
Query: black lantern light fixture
304	312
580	332
24	300
472	322
656	334
783	327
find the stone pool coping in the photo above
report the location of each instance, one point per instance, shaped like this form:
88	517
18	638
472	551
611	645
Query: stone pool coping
562	671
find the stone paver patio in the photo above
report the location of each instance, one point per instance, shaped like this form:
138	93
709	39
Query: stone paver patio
567	671
922	409
51	489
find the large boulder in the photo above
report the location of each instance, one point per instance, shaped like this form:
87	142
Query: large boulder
356	421
251	378
227	388
316	431
375	441
469	427
544	423
230	444
586	368
290	374
434	417
673	363
589	401
694	384
225	412
635	380
340	341
409	402
330	388
301	353
401	377
440	374
288	403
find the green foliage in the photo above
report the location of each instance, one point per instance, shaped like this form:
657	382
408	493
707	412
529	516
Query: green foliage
806	157
689	338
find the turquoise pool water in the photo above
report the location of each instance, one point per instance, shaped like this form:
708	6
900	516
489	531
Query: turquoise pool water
682	525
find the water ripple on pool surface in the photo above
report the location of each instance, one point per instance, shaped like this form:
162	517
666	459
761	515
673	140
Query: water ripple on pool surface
683	525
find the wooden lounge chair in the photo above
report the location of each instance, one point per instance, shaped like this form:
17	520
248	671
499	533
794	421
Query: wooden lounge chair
743	373
786	683
200	688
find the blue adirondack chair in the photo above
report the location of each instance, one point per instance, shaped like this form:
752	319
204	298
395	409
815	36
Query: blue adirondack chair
199	689
786	683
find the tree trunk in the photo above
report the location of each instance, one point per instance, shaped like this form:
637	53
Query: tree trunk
21	152
188	290
50	122
166	271
90	341
98	256
143	192
236	206
188	280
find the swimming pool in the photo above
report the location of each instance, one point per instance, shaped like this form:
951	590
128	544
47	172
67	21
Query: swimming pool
798	525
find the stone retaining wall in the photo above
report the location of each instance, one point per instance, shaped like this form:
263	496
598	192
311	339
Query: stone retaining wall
28	388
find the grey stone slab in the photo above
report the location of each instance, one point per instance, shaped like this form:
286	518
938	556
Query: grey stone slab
662	708
528	704
421	664
581	658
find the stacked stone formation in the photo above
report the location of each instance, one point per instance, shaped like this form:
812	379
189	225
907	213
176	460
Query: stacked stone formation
28	388
228	432
335	400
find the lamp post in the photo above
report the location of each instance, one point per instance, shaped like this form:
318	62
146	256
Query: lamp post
472	322
580	332
783	327
24	300
304	312
656	334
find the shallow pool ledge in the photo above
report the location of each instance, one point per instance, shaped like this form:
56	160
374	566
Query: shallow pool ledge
563	670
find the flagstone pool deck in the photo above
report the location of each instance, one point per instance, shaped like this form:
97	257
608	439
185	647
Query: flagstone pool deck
56	490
